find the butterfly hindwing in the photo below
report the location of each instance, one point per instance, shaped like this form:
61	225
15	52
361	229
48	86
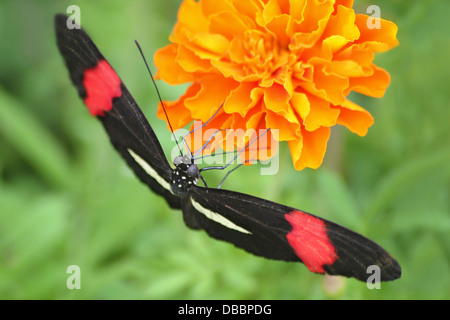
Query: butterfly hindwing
107	98
275	231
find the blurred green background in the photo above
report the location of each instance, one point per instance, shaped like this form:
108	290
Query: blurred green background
66	197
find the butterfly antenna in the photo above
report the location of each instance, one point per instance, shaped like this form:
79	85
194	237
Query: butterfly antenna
159	95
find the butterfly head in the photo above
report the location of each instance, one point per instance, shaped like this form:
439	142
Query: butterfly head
185	174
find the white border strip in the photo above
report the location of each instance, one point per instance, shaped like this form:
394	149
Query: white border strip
217	217
150	171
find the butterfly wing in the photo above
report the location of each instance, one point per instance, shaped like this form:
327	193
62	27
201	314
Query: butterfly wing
275	231
107	98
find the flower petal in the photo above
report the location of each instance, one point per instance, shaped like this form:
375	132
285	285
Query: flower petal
310	27
227	24
355	118
356	53
210	96
374	85
191	63
321	114
342	24
190	17
240	99
207	137
300	104
178	115
280	26
276	99
211	7
208	45
347	68
377	39
309	150
287	130
170	72
345	3
327	86
248	8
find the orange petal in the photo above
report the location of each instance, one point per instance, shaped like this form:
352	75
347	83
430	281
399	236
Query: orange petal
208	46
327	86
260	142
342	24
233	70
191	16
227	24
309	29
262	145
333	85
190	62
178	114
296	8
379	40
320	114
355	118
213	93
309	149
254	119
271	10
345	3
240	99
373	86
314	13
333	44
347	68
251	120
237	52
198	139
280	26
169	71
300	104
356	53
191	20
248	8
212	7
276	99
240	131
287	130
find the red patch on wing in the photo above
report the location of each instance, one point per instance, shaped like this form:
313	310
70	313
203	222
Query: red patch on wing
310	241
102	85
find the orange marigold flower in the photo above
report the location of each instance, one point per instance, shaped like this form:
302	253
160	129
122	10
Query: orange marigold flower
279	64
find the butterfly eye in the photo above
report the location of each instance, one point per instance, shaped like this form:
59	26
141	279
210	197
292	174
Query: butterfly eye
178	160
186	159
182	159
193	171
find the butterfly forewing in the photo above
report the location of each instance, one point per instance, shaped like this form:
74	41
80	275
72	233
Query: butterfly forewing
107	98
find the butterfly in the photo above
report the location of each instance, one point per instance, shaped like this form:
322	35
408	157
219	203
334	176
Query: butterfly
261	227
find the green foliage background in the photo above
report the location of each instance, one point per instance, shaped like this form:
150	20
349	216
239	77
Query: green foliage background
67	198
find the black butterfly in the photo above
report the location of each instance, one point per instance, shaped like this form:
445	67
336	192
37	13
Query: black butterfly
261	227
